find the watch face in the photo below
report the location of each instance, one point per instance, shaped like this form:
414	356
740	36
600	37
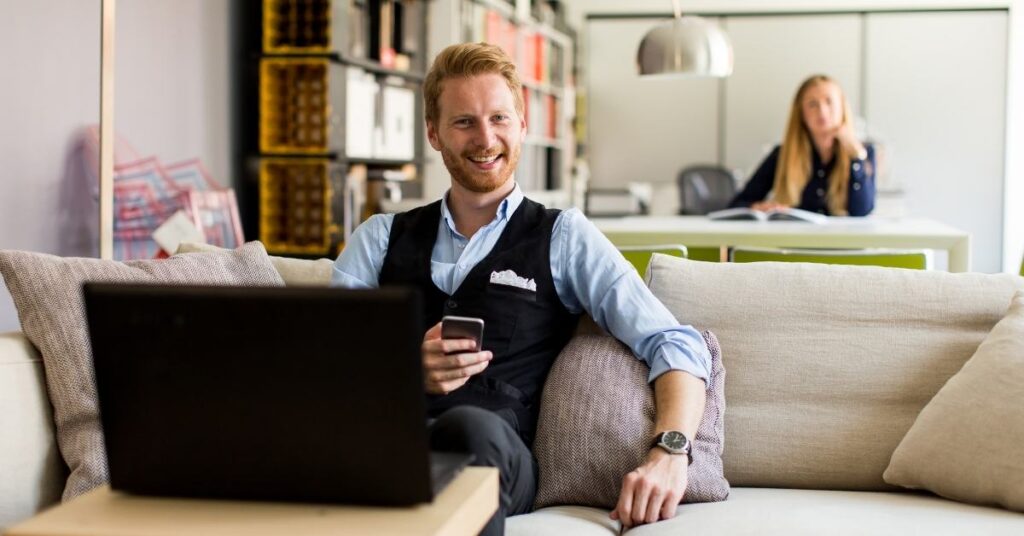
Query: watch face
674	440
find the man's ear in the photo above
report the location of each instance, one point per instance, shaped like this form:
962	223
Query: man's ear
522	129
432	136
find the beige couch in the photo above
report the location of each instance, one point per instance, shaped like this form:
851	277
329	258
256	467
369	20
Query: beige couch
827	369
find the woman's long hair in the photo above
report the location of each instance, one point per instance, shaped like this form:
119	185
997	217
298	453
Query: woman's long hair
794	167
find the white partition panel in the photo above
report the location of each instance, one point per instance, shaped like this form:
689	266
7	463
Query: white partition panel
643	129
936	93
773	55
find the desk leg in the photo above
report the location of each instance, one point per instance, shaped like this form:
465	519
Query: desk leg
960	256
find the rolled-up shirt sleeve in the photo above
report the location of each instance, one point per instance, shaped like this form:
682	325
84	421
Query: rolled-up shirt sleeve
360	262
591	275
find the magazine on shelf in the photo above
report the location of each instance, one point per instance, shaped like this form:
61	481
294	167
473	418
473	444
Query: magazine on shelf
776	214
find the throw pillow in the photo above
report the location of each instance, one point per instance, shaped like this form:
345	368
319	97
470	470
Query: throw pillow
966	443
47	294
293	271
597	394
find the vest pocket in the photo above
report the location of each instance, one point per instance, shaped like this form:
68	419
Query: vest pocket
509	292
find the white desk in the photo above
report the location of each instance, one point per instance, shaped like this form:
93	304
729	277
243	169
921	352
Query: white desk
698	231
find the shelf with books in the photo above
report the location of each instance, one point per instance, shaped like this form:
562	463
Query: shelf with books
384	34
337	90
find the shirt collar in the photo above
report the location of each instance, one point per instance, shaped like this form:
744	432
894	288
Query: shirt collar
506	208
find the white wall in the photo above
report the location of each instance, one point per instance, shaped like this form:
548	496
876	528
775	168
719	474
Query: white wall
171	99
172	96
1013	191
657	136
938	105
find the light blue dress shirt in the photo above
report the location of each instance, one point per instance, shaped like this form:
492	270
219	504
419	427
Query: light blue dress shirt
589	275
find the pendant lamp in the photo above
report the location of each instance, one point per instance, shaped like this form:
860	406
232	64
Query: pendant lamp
685	47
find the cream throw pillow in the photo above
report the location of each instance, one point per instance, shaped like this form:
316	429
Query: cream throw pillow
968	442
293	271
47	292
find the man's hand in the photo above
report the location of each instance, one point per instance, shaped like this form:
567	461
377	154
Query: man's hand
444	370
653	491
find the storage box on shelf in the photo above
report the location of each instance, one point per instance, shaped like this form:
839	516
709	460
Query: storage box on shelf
295	110
297	197
297	26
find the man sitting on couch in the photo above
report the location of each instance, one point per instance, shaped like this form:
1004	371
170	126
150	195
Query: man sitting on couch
484	250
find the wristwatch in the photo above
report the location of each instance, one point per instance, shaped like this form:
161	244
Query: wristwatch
673	442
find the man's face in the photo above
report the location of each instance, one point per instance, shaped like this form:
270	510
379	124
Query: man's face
478	131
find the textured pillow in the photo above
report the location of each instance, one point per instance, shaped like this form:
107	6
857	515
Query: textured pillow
968	442
828	365
293	271
47	293
597	394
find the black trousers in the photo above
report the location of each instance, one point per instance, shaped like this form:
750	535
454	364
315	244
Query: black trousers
494	443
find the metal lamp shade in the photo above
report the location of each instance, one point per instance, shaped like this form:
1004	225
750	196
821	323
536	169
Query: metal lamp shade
685	46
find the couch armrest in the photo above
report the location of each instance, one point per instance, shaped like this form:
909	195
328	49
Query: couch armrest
33	471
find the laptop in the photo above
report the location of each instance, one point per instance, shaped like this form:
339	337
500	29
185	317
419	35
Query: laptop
281	394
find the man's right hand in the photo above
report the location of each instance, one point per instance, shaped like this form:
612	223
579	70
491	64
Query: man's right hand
449	363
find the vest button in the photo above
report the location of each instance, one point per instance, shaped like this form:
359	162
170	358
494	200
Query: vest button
452	305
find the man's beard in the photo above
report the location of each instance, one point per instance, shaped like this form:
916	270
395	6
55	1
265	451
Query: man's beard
480	182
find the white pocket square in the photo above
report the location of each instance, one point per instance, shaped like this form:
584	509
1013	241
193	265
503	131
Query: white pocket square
509	278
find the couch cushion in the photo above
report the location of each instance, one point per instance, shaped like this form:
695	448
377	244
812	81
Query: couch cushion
293	271
47	293
563	521
766	511
968	442
612	413
828	365
33	473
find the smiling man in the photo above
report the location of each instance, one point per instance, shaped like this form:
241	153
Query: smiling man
484	250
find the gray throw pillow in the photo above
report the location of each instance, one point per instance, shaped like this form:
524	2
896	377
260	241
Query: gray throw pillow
47	293
597	395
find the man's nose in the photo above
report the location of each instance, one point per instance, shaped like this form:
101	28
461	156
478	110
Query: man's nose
486	136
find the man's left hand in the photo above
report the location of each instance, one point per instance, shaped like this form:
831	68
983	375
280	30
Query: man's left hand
652	491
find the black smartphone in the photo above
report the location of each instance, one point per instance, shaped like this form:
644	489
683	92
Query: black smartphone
463	327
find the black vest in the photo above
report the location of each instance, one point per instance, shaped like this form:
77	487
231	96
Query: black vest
524	329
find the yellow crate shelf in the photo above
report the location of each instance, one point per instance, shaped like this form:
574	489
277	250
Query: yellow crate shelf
295	205
295	105
297	26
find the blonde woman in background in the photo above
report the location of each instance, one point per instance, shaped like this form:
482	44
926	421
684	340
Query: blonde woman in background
820	166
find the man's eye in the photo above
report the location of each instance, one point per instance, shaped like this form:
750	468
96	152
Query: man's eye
501	117
462	122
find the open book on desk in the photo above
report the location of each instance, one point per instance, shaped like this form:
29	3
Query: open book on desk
776	214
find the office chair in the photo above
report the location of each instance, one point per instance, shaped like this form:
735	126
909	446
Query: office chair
892	258
640	256
704	189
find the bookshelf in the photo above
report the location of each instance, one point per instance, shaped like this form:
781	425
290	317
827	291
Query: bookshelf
329	115
534	34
